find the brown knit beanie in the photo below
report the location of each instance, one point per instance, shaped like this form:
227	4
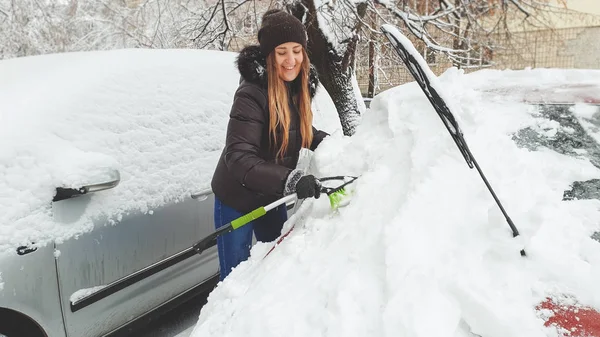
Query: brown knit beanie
279	27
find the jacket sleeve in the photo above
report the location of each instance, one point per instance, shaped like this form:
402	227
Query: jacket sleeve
243	143
318	137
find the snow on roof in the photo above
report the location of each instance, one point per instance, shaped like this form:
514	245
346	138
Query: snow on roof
544	86
157	116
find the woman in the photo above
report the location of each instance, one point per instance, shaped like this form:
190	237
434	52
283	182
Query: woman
270	121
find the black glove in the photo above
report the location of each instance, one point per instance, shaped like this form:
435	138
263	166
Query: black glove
307	187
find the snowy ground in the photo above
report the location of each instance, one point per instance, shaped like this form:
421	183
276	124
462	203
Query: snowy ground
422	249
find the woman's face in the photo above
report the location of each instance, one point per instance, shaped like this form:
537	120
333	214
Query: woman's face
288	57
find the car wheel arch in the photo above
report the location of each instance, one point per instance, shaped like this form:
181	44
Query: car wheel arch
19	323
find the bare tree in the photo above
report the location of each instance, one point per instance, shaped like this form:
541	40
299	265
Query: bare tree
334	62
31	27
461	30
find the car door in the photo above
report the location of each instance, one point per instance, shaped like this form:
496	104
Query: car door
117	272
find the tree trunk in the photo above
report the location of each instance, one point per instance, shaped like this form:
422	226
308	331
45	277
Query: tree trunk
335	71
372	61
372	72
456	42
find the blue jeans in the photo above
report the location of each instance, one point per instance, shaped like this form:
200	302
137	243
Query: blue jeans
234	247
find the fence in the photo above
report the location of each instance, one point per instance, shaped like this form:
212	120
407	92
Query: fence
551	48
557	48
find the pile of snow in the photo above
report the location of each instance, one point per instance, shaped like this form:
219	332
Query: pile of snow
157	116
83	293
422	249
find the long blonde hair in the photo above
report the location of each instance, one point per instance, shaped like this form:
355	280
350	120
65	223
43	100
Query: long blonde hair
279	109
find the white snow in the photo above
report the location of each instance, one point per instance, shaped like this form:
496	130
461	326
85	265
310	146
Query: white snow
157	116
422	249
585	111
358	95
82	293
588	117
325	15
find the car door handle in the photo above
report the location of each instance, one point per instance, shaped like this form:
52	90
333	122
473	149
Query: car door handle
109	178
23	250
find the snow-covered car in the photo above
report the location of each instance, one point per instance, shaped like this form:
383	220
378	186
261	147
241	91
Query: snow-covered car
105	167
567	111
421	248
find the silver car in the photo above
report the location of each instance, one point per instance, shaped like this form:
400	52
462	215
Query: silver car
111	276
128	266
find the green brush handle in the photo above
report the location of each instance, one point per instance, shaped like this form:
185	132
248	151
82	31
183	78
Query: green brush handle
255	214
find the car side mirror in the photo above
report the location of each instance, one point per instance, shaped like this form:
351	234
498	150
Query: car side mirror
107	179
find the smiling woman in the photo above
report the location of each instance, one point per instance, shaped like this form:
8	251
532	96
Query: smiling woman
270	121
289	57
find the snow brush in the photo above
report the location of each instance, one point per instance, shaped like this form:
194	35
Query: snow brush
335	194
336	197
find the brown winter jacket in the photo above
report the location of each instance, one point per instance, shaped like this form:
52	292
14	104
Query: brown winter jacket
247	176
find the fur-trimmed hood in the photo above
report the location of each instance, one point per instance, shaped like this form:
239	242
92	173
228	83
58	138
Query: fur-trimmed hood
252	65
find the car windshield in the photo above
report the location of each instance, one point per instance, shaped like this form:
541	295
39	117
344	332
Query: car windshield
570	129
